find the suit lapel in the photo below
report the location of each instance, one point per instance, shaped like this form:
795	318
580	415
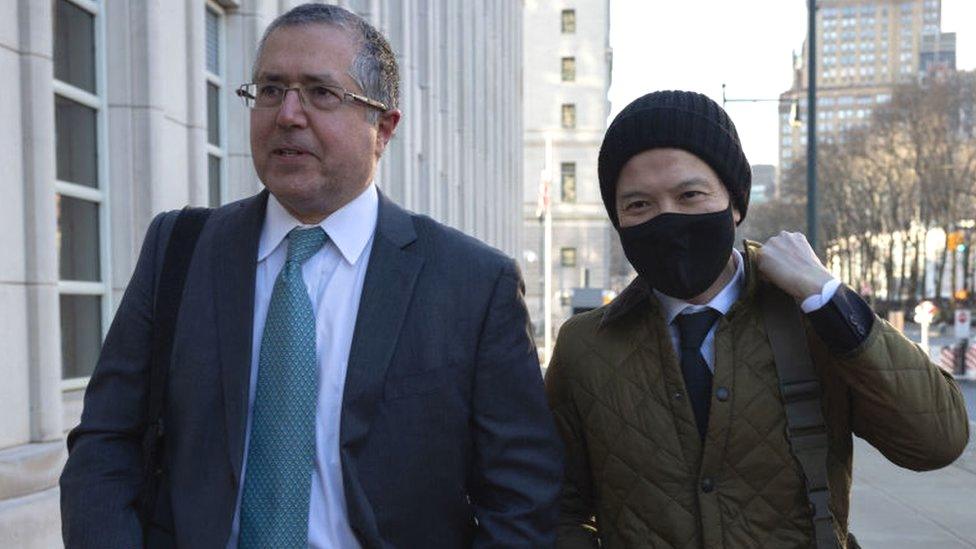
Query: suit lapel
387	291
235	267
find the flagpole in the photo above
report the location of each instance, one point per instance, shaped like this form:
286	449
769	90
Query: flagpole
547	250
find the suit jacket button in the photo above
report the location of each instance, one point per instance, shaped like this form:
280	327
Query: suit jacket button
707	485
678	395
722	394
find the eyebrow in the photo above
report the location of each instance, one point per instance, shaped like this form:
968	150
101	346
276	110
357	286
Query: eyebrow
324	78
680	187
631	194
692	182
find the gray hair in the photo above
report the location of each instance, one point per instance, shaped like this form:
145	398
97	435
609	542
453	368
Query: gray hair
375	67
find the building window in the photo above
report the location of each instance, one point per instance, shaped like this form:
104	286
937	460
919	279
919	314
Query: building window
216	143
565	298
567	257
569	116
569	21
81	166
569	69
568	181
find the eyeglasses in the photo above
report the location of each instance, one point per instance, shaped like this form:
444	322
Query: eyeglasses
270	95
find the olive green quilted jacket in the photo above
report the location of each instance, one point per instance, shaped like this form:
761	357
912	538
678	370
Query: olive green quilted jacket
637	473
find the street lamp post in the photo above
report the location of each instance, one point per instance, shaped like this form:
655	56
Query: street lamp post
812	123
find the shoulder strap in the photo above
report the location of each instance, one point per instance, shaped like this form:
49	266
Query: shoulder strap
801	392
169	292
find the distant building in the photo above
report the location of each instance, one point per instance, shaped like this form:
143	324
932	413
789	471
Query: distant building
864	49
967	109
764	187
937	53
566	75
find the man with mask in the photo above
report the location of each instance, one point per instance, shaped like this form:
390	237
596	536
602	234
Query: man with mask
669	399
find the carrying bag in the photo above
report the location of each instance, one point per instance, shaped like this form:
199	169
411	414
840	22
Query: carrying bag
801	392
169	292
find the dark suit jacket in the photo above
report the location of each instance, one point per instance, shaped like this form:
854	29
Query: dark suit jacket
446	440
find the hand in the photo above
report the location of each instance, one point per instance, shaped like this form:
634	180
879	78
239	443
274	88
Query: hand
789	262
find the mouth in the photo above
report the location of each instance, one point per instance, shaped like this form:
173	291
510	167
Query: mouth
290	152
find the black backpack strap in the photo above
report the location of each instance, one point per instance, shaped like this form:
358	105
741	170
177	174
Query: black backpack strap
169	292
801	392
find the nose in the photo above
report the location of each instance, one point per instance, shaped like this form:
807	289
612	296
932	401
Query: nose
663	207
291	112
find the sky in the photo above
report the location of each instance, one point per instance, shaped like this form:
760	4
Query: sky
746	44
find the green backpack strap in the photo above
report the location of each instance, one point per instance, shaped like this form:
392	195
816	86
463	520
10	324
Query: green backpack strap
801	392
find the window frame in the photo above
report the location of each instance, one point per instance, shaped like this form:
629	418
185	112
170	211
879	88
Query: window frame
219	80
562	21
567	67
562	116
562	182
562	256
99	194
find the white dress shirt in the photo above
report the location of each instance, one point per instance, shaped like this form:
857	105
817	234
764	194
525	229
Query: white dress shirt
334	278
722	302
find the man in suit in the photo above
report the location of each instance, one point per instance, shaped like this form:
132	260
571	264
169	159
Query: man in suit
344	373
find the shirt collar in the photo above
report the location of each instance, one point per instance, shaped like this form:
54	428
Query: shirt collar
722	301
350	228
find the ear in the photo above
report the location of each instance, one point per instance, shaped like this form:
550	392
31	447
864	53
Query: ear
385	128
736	216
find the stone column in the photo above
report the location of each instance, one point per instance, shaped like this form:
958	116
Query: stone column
198	182
31	447
40	220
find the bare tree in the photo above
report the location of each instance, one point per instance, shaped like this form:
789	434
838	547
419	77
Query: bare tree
885	184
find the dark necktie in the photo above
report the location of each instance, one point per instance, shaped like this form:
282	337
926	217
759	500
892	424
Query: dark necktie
698	378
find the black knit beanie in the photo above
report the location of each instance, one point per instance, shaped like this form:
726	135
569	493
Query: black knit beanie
681	120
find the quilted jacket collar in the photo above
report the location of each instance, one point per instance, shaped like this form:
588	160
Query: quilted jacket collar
638	295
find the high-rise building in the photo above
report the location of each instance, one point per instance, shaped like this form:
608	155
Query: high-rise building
938	51
864	49
566	81
116	111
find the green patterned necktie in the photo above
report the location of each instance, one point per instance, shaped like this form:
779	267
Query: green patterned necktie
281	452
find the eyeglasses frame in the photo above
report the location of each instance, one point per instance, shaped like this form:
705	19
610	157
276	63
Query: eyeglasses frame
346	94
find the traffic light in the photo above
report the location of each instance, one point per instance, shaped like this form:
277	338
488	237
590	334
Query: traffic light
956	240
961	295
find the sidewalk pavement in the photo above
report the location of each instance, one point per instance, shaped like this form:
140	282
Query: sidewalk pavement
894	508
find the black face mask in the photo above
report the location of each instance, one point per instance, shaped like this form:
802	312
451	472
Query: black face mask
680	255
